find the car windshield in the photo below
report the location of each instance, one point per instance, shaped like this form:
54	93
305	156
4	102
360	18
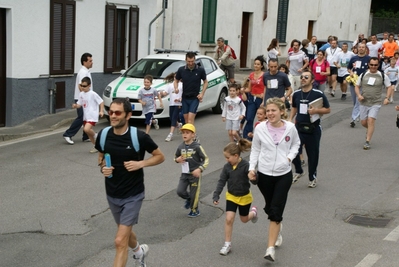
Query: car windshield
158	68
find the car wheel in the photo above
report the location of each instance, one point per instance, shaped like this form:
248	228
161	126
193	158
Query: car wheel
218	109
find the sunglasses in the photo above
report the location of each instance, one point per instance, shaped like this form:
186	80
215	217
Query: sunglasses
306	77
373	65
84	86
117	113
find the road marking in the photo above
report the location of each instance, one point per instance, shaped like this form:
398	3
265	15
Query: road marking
369	260
393	236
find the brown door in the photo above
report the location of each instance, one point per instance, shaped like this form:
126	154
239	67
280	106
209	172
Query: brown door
310	29
60	95
3	63
244	39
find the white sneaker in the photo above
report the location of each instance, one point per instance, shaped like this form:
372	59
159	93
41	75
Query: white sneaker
313	184
156	125
279	240
142	260
270	254
169	137
93	150
69	140
255	211
296	177
225	250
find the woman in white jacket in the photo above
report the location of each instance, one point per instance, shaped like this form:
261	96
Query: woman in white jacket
274	146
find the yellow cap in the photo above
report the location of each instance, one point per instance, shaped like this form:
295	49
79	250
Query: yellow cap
188	126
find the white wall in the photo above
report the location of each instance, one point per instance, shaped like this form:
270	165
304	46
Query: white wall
28	50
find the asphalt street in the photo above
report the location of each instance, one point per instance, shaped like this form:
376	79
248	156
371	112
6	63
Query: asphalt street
54	212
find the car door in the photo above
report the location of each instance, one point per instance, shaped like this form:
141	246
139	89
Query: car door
211	95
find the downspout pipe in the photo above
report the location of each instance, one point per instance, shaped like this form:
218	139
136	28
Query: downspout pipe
149	30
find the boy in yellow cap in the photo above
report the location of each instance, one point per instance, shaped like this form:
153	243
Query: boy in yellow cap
193	161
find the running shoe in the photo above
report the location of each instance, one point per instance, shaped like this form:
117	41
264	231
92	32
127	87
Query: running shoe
194	214
352	124
313	183
169	137
296	177
366	145
142	260
156	125
270	254
225	250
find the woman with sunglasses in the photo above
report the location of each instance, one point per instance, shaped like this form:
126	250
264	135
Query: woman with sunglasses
307	121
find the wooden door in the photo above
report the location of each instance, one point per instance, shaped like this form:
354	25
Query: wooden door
244	39
3	64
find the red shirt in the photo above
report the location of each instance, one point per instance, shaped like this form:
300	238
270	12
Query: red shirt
257	85
316	71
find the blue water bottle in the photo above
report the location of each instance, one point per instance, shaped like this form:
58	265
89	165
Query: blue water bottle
107	158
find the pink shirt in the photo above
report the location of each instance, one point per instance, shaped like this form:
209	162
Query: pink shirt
316	71
276	133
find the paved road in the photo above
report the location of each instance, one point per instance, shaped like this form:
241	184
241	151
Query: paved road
54	213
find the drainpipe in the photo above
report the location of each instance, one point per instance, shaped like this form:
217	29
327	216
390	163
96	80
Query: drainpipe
52	91
152	21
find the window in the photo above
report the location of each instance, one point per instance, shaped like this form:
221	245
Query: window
265	9
208	21
62	36
282	16
207	65
117	32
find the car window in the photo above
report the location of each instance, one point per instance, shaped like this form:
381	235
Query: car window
158	68
207	65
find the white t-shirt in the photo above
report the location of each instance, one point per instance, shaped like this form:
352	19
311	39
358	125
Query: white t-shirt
83	72
331	54
373	48
174	99
272	54
393	73
90	102
296	61
342	60
312	49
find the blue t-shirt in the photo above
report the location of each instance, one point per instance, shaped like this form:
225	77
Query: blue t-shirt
299	97
191	80
275	84
362	66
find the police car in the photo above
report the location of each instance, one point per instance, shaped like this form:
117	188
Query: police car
159	66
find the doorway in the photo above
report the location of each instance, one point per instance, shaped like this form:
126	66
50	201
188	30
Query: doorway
3	63
244	39
310	29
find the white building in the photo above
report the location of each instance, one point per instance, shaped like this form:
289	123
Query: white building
42	41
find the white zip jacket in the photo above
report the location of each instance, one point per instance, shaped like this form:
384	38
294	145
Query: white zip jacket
272	159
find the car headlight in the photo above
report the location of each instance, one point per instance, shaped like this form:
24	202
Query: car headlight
107	91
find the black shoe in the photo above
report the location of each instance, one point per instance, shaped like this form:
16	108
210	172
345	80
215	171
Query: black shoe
343	97
352	124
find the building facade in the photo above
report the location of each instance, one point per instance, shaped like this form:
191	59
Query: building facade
42	41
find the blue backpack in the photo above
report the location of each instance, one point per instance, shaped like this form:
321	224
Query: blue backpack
133	135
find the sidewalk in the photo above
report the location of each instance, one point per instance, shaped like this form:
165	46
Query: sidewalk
45	123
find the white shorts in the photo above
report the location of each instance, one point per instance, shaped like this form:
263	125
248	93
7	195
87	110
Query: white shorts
369	112
233	125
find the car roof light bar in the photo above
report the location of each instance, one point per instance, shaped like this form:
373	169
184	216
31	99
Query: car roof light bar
164	51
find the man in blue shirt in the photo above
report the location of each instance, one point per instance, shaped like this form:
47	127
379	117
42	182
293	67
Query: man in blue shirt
191	76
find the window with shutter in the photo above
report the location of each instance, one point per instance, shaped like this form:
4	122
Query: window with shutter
62	36
282	17
208	21
116	22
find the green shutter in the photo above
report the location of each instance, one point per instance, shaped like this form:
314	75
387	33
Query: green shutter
282	17
209	11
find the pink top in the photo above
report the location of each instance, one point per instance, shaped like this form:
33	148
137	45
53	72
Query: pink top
276	133
317	69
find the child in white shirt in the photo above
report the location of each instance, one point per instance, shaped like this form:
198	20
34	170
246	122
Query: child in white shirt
233	112
393	73
90	101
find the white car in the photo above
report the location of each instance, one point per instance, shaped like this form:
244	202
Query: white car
159	66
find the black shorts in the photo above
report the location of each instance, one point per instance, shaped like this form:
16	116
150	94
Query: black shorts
333	71
342	79
242	210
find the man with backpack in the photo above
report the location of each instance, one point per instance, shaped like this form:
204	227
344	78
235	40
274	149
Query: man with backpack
371	82
225	57
121	159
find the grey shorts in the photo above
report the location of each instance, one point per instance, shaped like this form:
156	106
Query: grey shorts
230	70
232	125
126	210
369	112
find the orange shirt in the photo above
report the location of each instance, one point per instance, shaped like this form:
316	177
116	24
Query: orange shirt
390	48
